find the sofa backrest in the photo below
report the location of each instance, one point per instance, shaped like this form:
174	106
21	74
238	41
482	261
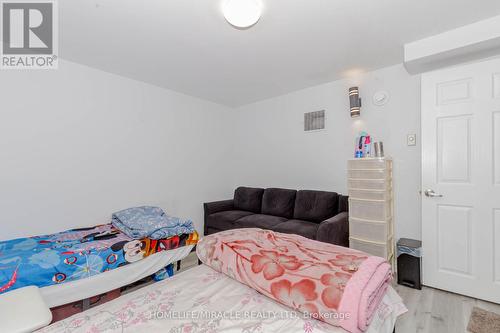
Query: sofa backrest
315	206
248	199
278	202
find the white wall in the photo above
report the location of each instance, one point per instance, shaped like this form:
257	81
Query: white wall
77	144
271	148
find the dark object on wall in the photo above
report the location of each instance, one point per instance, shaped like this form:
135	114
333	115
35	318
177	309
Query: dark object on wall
317	215
314	121
409	263
354	102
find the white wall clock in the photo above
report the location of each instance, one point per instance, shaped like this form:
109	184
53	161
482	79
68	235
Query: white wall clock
380	98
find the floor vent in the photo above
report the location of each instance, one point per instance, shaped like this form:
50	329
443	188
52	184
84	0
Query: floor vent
314	121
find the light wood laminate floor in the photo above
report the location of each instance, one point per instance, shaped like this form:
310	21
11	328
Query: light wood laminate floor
437	311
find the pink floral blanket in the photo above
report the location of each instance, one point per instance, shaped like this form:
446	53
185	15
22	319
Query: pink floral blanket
337	285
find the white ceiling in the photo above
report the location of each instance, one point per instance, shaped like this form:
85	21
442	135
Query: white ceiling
187	46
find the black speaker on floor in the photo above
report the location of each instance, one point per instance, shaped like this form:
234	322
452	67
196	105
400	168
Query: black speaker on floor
409	263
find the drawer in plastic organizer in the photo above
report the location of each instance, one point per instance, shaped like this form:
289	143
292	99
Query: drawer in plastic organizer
372	163
368	230
368	174
383	250
374	210
370	194
369	184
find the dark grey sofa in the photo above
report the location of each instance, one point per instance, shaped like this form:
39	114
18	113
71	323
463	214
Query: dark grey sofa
318	215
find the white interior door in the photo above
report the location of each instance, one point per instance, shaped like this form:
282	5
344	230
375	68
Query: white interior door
461	163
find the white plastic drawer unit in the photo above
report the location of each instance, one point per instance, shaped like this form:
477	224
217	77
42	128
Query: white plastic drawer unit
369	184
371	225
383	250
381	174
370	194
369	163
369	230
373	210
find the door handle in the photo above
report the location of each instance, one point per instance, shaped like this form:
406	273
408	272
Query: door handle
431	194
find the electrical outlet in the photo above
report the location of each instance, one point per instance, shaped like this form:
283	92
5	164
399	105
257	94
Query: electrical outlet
411	140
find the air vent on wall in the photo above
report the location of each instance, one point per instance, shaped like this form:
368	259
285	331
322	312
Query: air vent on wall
314	121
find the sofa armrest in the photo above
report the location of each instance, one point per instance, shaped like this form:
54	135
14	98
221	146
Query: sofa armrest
335	230
216	207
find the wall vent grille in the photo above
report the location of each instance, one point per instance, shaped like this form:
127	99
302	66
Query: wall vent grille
314	121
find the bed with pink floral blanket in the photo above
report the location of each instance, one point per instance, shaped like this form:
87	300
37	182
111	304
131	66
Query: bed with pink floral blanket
213	299
337	285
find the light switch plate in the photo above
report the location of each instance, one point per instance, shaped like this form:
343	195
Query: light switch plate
411	140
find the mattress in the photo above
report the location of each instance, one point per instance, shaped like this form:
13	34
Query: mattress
203	300
73	291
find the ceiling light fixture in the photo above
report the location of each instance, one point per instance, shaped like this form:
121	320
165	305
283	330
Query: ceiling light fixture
242	13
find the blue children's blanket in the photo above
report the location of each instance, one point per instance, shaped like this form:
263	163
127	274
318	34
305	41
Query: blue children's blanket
150	222
74	254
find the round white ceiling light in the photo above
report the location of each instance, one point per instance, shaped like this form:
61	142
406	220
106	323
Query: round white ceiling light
242	13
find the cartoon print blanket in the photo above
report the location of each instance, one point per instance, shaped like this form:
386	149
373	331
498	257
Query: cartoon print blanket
75	254
337	285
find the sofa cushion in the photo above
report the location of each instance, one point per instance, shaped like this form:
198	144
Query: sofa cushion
248	199
315	206
278	202
298	227
259	221
225	220
210	231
